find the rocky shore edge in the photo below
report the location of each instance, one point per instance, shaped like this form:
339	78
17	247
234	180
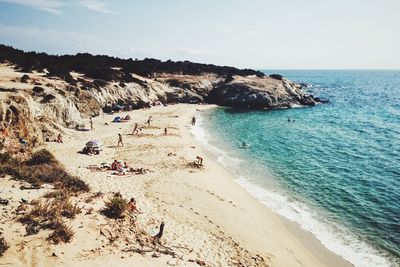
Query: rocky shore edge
40	92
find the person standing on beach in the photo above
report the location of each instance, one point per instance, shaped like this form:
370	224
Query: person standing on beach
199	161
148	121
193	121
120	140
135	129
165	131
91	124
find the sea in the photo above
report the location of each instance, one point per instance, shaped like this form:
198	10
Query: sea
333	168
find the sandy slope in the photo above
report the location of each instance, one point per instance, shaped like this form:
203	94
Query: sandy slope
208	216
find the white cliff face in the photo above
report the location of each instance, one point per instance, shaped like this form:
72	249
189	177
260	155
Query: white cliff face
38	105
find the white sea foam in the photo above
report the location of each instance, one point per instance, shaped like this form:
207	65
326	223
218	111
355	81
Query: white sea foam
336	238
296	106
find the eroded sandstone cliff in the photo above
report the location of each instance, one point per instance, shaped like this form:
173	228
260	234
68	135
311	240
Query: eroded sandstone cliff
39	93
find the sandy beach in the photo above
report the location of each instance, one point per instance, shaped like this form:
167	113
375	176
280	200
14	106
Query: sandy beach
209	219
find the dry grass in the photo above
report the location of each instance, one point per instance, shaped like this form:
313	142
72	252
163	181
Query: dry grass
41	168
49	215
57	194
41	157
62	233
93	196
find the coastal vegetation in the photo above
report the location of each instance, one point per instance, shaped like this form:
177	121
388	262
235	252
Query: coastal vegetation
48	213
45	94
68	88
109	68
3	245
115	206
42	167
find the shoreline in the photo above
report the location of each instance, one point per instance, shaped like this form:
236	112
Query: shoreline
203	209
329	239
308	239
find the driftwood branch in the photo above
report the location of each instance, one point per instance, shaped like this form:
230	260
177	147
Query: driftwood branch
29	187
165	250
158	236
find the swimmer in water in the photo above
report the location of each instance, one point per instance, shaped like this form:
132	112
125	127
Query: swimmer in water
244	145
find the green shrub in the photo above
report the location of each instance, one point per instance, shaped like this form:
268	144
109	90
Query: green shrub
115	206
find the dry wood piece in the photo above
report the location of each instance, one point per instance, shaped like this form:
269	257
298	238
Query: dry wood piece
29	187
158	236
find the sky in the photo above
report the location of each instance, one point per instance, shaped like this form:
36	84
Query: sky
260	34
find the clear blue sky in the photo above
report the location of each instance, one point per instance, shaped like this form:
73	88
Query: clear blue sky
312	34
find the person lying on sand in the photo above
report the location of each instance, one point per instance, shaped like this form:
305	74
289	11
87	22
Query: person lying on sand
94	168
139	170
132	207
119	173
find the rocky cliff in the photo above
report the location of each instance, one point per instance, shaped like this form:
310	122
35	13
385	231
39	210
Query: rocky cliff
40	92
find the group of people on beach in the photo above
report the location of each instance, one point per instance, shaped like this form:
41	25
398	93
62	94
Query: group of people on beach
120	168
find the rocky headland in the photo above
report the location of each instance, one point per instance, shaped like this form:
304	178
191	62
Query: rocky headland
40	92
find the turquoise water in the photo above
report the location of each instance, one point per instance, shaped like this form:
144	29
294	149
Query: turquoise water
335	170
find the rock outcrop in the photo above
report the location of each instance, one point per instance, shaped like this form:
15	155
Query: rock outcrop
39	93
